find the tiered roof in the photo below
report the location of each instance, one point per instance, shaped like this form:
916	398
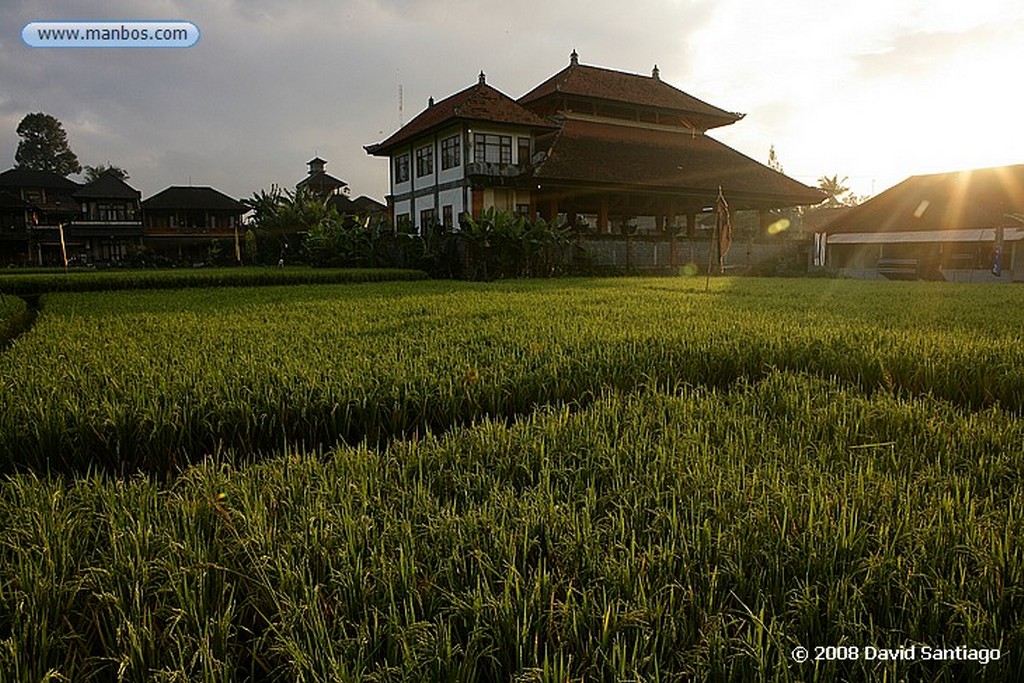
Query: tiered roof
588	152
635	90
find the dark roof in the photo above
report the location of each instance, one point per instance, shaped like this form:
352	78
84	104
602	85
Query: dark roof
28	178
321	180
978	198
192	198
360	205
675	161
108	186
479	102
617	86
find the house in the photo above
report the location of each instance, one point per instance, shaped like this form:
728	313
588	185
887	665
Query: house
187	223
47	201
335	191
588	145
109	223
963	225
319	182
13	232
101	220
468	151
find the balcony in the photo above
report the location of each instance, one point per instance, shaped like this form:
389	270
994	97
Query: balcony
495	171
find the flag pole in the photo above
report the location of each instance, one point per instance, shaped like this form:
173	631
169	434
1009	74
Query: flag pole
711	246
63	247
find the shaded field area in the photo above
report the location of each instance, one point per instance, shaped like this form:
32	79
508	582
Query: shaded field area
34	283
599	480
14	317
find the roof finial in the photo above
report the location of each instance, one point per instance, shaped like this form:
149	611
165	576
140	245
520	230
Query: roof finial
574	58
656	74
430	102
483	79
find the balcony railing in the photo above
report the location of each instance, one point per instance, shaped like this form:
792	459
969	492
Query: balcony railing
494	170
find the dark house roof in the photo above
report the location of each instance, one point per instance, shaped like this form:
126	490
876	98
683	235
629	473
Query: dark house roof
591	82
587	152
979	198
479	102
321	181
108	186
192	198
361	205
28	178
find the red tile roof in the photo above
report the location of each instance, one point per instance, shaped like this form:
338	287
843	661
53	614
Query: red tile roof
479	102
617	86
979	198
675	161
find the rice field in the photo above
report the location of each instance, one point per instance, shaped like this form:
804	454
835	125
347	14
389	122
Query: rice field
13	317
563	480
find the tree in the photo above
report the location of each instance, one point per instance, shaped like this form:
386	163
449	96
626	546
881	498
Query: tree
773	160
44	146
94	172
834	188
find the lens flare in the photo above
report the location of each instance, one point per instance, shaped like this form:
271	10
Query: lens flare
778	226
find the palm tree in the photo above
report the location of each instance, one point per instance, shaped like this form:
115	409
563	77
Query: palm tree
834	188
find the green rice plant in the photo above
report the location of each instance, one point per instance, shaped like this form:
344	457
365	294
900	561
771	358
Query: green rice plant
152	381
700	533
14	318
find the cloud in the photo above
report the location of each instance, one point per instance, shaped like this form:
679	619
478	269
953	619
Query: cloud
271	83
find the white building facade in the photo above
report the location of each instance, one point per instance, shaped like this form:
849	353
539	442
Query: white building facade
467	152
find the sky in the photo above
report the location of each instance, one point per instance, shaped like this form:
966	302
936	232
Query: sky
873	91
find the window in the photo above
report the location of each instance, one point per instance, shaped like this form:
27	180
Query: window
112	212
523	210
402	168
428	217
402	222
451	153
492	149
446	213
424	161
524	150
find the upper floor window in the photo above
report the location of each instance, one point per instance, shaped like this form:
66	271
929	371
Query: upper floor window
424	161
112	212
524	150
451	153
402	168
492	149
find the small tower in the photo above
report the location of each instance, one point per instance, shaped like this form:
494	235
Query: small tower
316	165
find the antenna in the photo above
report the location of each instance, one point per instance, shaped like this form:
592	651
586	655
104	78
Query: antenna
401	106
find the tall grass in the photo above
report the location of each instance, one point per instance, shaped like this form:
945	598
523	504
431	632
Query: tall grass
14	318
155	380
697	535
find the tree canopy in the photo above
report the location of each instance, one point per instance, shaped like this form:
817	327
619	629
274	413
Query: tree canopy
44	146
94	172
834	187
